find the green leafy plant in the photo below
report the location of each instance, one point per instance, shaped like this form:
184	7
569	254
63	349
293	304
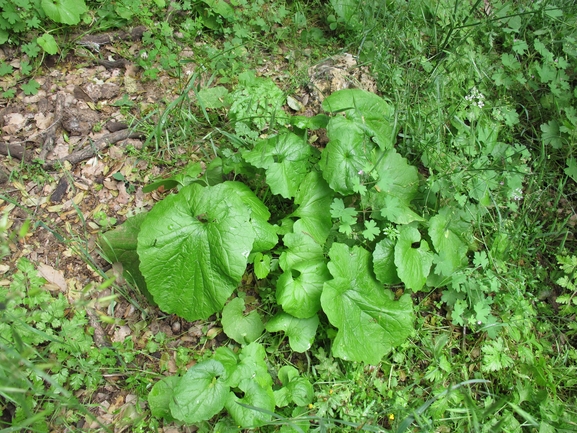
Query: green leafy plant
350	229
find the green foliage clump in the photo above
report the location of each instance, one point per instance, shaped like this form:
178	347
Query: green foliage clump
44	350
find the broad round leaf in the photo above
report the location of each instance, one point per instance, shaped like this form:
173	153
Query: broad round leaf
367	110
384	262
64	11
193	249
370	321
266	237
161	395
48	43
413	264
314	198
201	393
242	329
347	153
451	249
260	401
285	159
301	332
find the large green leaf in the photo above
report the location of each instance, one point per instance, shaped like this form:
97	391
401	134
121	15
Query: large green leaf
295	388
314	198
305	271
193	249
444	233
397	186
301	332
242	329
252	365
384	262
413	264
64	11
160	397
285	159
367	111
370	321
346	155
201	393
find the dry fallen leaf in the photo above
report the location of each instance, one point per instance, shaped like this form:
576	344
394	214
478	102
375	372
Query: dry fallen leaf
13	123
52	276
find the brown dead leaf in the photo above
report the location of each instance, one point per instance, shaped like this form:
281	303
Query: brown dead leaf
52	276
13	123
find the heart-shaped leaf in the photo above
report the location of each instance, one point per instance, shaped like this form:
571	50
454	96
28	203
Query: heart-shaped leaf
193	248
201	393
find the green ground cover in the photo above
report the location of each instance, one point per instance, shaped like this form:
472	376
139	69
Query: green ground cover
416	273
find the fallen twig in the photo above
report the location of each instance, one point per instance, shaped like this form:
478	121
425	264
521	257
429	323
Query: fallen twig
94	148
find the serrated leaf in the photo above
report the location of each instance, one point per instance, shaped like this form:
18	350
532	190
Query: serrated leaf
384	262
48	43
201	393
413	264
447	242
193	248
551	135
64	11
369	320
242	329
346	154
285	159
314	198
571	169
301	332
305	271
31	88
367	110
160	397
